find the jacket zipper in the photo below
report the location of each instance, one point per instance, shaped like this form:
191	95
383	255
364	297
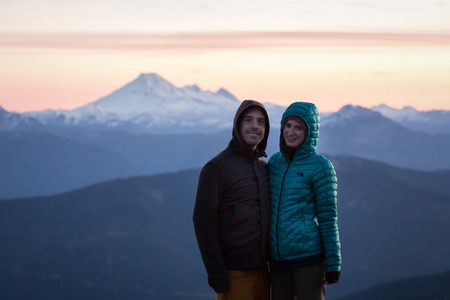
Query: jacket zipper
278	211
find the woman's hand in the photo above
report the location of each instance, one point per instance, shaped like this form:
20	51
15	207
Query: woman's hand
332	277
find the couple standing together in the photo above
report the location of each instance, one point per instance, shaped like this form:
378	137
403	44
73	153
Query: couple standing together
251	216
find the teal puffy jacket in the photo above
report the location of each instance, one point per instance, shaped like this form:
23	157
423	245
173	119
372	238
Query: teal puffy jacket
303	199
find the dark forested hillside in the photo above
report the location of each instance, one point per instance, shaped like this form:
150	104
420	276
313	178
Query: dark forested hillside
41	163
124	239
393	222
133	238
434	287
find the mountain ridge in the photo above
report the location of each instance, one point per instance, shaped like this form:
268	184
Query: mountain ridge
431	122
41	163
135	233
357	131
173	132
151	104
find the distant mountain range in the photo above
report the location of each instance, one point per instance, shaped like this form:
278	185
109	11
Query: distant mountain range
432	122
391	222
151	104
124	239
42	163
361	132
149	126
133	238
10	121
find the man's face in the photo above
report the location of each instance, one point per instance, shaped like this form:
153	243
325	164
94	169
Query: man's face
253	125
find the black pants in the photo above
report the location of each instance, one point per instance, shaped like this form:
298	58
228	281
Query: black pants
306	283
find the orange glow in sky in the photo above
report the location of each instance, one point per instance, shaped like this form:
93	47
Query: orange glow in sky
59	61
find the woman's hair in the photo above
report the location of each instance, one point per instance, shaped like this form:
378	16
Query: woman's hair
295	118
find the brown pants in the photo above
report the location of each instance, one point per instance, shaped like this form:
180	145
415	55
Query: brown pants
247	285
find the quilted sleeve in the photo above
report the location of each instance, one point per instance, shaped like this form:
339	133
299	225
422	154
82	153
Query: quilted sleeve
325	190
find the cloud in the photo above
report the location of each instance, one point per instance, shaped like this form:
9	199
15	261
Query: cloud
367	5
440	4
219	40
373	73
205	6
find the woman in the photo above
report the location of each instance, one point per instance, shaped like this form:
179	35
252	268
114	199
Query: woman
304	247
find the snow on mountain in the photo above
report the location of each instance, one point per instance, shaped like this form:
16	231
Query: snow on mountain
150	101
347	113
150	93
361	132
399	115
152	104
10	121
432	122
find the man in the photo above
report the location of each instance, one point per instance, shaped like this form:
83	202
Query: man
232	210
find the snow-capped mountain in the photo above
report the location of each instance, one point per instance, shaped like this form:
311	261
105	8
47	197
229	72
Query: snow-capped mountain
358	131
10	121
432	122
152	104
406	113
347	114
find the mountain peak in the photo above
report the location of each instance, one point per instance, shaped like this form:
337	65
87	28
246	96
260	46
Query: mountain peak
409	109
386	108
348	113
150	103
10	121
406	113
193	87
355	110
152	77
155	83
223	92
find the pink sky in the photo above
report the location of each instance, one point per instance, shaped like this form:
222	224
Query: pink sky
390	52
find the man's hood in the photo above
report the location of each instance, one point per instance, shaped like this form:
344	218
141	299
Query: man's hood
310	114
237	141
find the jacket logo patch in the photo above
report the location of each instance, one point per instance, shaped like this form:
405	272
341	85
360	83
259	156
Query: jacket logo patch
299	173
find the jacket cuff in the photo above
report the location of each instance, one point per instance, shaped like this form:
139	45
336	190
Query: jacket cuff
219	285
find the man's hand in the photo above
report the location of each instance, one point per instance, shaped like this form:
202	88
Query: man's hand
219	286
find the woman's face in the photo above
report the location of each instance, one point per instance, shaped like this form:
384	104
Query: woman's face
294	134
